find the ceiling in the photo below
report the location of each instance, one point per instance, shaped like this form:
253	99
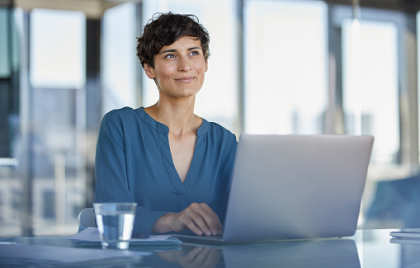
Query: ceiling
96	8
409	6
92	8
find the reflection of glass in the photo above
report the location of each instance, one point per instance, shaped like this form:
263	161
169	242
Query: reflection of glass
217	100
286	52
378	77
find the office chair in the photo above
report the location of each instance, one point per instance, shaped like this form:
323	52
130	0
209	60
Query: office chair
86	219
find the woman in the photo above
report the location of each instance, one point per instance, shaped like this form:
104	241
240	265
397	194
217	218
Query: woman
175	165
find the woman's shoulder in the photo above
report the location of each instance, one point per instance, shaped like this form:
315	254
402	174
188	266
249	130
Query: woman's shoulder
118	116
217	127
120	113
219	131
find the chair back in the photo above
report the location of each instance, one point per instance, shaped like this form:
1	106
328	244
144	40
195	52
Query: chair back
87	218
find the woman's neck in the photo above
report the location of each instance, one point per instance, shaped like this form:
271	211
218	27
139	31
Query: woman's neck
177	116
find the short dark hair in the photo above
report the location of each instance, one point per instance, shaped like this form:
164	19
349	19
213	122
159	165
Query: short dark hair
164	29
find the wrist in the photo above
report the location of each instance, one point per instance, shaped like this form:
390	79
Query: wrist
164	224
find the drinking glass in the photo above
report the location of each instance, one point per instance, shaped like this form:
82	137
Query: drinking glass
115	223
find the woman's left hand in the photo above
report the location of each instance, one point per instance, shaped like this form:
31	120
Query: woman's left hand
198	217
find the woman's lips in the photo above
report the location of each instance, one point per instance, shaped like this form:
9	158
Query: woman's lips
185	79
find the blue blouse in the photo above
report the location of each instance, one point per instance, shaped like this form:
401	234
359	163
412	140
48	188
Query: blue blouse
134	164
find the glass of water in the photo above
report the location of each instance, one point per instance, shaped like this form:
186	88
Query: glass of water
115	223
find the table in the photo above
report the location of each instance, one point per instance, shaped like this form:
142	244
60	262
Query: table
367	249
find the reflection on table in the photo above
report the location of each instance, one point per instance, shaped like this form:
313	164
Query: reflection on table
368	249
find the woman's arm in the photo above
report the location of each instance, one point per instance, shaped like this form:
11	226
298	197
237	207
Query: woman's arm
111	174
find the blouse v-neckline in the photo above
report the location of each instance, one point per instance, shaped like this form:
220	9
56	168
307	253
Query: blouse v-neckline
183	188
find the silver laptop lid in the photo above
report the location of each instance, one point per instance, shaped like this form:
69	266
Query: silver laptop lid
296	187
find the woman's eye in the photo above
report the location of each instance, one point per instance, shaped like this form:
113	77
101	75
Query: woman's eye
195	52
169	56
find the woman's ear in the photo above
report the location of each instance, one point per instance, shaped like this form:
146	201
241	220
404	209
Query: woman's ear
150	72
207	65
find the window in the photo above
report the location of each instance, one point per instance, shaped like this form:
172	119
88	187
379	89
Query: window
57	116
16	203
48	198
2	207
286	67
57	49
4	43
371	88
119	57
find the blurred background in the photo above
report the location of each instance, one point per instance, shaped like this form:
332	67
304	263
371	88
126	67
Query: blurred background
276	67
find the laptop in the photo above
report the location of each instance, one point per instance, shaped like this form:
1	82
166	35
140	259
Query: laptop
294	187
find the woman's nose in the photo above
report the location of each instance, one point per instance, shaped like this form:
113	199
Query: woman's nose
184	64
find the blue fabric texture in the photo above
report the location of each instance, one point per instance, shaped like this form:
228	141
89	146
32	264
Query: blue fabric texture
134	164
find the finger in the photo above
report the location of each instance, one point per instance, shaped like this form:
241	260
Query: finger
213	219
198	219
209	216
191	225
195	222
206	213
186	220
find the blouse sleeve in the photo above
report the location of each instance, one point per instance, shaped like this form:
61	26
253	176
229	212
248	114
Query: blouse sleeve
111	174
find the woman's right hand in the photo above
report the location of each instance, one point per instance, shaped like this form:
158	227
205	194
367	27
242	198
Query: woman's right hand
199	218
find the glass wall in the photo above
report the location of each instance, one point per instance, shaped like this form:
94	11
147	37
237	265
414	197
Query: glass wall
377	100
46	192
10	187
377	89
57	49
57	79
118	56
4	44
276	67
286	67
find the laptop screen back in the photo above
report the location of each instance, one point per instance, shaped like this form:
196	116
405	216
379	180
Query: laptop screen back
296	187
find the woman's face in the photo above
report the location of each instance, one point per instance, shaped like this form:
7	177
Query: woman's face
179	68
